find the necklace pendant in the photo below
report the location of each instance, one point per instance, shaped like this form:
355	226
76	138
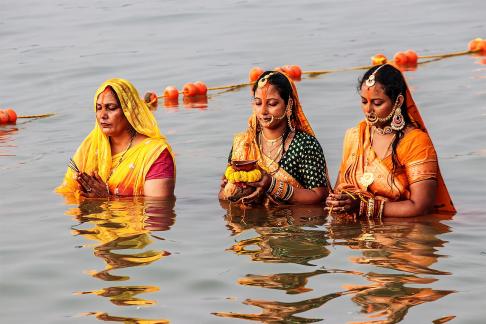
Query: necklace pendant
366	179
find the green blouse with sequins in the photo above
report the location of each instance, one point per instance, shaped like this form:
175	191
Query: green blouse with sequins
304	160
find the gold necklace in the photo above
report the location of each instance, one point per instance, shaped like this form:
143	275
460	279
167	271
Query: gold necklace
368	177
272	141
273	160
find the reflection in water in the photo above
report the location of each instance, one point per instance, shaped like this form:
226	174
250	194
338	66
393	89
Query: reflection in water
127	320
280	237
123	225
409	247
6	139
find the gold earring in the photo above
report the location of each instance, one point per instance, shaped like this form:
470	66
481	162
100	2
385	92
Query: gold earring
289	114
398	122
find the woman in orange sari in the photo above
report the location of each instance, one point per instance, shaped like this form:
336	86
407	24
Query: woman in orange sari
125	154
389	166
281	140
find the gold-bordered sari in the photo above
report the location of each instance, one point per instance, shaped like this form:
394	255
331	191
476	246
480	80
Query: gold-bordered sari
415	152
94	153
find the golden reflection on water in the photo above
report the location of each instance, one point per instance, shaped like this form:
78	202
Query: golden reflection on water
298	235
123	225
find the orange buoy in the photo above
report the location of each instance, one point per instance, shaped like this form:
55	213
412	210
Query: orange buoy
12	115
480	46
378	59
255	73
400	59
171	92
297	72
412	57
287	69
189	90
475	44
3	117
151	99
202	89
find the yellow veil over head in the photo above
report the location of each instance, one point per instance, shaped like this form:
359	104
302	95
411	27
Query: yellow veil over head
94	153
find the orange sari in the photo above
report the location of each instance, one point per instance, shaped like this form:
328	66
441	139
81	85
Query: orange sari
416	154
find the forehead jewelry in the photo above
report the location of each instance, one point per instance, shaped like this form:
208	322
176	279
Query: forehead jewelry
263	81
371	79
371	116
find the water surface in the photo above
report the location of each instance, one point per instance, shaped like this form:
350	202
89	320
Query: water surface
199	262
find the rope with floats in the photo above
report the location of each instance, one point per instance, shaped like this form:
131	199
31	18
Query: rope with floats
9	116
197	92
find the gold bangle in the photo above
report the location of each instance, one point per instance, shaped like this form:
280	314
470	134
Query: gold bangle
362	208
371	208
380	211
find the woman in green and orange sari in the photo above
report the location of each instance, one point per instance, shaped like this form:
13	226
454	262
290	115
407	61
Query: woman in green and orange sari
281	140
389	166
125	154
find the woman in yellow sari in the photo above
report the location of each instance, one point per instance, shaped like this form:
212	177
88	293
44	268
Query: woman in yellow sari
281	140
389	166
125	154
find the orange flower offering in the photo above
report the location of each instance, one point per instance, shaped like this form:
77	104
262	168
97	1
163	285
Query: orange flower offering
243	171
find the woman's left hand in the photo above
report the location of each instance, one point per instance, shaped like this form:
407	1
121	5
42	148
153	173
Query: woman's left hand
264	182
92	186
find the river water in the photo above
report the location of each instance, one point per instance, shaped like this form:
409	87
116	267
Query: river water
199	262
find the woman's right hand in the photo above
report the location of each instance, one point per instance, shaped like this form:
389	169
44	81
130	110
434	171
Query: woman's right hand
341	203
224	181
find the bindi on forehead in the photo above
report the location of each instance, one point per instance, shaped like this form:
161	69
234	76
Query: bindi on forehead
107	95
376	91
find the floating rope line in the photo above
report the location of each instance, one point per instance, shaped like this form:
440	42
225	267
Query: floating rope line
407	61
196	93
37	116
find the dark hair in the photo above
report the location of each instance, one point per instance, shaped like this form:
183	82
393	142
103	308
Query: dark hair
279	81
394	84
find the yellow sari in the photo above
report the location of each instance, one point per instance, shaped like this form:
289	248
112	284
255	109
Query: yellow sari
245	145
417	156
94	153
